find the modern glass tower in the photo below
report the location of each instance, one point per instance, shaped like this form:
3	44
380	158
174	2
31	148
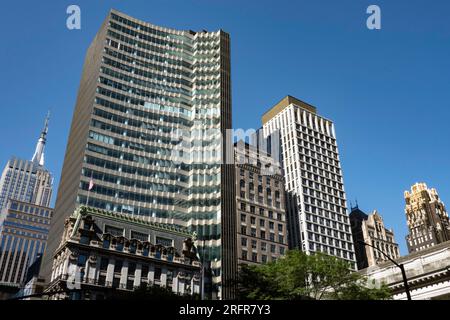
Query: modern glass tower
152	105
26	180
317	206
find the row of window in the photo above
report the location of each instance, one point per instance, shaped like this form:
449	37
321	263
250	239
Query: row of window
329	232
262	246
262	235
262	222
278	216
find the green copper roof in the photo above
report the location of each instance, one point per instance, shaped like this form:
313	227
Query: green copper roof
137	220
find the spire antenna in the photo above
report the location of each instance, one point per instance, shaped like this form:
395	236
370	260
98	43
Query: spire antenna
38	156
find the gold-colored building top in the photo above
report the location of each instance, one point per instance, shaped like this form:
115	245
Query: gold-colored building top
280	106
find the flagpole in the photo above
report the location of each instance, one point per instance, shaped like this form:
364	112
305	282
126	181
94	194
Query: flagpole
91	185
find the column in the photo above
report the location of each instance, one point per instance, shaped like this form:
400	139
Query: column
175	281
163	277
138	275
124	274
151	273
110	271
180	285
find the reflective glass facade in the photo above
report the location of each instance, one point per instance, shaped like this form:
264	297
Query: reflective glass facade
152	106
23	236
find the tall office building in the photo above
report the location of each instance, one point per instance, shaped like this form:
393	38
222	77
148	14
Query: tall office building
260	206
370	229
26	180
152	106
427	218
23	236
317	207
25	195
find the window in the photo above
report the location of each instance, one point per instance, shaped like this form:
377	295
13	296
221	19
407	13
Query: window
104	264
164	242
271	225
243	217
157	273
253	232
254	257
131	268
243	242
118	266
272	248
280	227
263	246
262	222
139	236
117	232
253	220
243	229
144	272
254	244
244	255
263	234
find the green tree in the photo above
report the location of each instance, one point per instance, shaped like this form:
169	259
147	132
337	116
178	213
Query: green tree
298	276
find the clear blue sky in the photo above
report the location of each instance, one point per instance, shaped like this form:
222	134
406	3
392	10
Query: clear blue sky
387	91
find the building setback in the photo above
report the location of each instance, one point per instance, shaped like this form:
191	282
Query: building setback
25	195
317	207
427	218
152	106
370	229
260	203
26	180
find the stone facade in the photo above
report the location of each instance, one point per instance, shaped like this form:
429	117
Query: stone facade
260	201
101	250
371	230
427	271
427	218
317	207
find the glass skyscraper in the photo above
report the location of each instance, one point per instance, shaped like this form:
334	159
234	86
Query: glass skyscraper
23	235
152	106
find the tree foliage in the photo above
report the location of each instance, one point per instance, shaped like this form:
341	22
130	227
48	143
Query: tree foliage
298	276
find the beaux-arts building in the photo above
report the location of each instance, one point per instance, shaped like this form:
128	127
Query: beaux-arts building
102	251
141	86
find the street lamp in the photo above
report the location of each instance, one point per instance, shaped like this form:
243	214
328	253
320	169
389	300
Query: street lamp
401	266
